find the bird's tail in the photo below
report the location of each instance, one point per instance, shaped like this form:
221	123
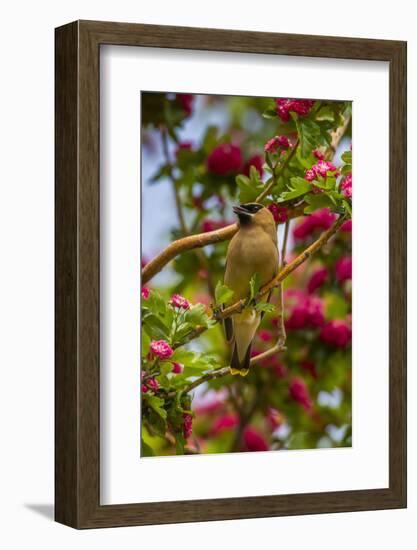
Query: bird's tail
240	367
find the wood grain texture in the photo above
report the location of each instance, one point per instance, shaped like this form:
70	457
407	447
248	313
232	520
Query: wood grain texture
78	285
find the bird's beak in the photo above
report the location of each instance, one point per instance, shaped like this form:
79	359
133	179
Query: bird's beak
240	210
243	215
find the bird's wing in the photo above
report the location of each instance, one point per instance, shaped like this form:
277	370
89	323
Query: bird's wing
228	323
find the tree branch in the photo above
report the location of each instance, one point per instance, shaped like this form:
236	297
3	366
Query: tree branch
196	241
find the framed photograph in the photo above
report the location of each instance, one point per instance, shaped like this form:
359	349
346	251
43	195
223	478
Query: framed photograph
230	308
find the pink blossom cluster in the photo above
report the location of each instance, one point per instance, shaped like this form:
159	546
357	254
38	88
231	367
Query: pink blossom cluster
299	392
187	425
280	213
254	440
225	159
318	154
317	279
225	422
151	384
161	349
177	368
343	269
346	227
186	102
321	168
305	311
145	292
346	186
179	302
257	162
336	333
300	106
321	219
277	143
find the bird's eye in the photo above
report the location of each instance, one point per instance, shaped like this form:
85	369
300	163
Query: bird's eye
253	207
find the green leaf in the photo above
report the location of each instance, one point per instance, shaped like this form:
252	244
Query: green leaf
156	404
309	134
179	443
209	139
325	113
223	293
248	189
321	200
146	450
265	307
270	113
347	157
298	187
254	286
154	327
183	356
196	315
346	169
145	343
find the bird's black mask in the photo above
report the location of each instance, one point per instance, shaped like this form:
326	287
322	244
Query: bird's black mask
245	211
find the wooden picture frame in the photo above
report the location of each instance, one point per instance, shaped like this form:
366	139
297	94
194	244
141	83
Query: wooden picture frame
77	373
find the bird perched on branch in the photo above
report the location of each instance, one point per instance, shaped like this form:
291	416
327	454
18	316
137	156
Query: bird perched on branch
253	250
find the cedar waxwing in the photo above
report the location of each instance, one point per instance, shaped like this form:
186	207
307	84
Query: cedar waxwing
252	250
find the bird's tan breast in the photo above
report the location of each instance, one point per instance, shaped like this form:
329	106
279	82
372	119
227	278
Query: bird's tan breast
250	252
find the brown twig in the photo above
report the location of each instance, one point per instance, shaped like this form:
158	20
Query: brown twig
289	268
275	177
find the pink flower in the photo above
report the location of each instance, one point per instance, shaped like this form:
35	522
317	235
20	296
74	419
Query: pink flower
187	425
276	143
320	219
317	279
186	101
305	311
346	227
144	388
336	333
257	161
265	335
343	269
179	302
300	106
145	292
299	392
153	384
161	349
225	159
346	186
224	423
318	154
310	175
321	168
254	440
280	213
274	418
177	368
